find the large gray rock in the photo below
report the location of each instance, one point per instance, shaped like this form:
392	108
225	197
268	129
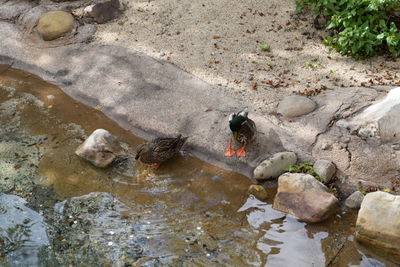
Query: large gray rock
304	197
23	234
325	170
295	105
354	200
378	221
100	148
357	158
55	24
381	119
273	167
11	10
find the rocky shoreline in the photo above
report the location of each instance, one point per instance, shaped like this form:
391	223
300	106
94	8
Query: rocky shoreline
143	100
92	223
350	135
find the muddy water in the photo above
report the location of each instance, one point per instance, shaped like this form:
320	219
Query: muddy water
189	213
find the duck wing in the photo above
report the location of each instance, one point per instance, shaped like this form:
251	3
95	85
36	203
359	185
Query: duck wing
247	131
164	148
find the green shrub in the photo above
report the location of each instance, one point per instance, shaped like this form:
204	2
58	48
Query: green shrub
362	28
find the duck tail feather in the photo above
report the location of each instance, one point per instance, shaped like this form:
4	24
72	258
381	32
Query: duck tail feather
244	112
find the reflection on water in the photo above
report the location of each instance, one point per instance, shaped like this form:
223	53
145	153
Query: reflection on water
284	237
22	231
187	213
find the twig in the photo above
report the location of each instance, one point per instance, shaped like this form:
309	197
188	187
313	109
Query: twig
336	255
7	68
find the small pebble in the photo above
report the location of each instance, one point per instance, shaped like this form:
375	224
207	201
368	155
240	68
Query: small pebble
258	191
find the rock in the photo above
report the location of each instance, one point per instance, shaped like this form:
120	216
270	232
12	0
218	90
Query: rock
55	24
295	105
100	148
304	197
378	120
258	191
389	124
22	232
99	225
11	10
354	200
273	167
378	221
325	170
104	11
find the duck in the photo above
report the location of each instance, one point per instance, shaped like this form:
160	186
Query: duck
159	150
243	131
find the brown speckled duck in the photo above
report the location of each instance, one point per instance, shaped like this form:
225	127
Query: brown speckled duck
159	150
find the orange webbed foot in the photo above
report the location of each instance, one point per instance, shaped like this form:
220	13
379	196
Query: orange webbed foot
241	152
229	151
155	165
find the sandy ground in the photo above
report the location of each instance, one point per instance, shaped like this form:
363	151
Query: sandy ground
218	41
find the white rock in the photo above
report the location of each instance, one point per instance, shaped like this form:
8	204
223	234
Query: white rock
378	221
88	9
295	105
354	200
273	167
100	148
325	169
378	120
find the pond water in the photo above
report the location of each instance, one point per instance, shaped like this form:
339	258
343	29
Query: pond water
187	212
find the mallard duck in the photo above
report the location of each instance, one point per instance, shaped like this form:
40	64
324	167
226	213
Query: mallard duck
243	131
159	150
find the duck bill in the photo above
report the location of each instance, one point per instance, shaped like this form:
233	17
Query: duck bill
235	135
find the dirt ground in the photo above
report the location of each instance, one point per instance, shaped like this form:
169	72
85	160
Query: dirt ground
218	41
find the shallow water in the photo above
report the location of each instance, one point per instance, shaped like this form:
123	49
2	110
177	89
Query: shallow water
186	213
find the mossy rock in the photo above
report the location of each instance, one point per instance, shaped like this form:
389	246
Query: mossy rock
258	191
